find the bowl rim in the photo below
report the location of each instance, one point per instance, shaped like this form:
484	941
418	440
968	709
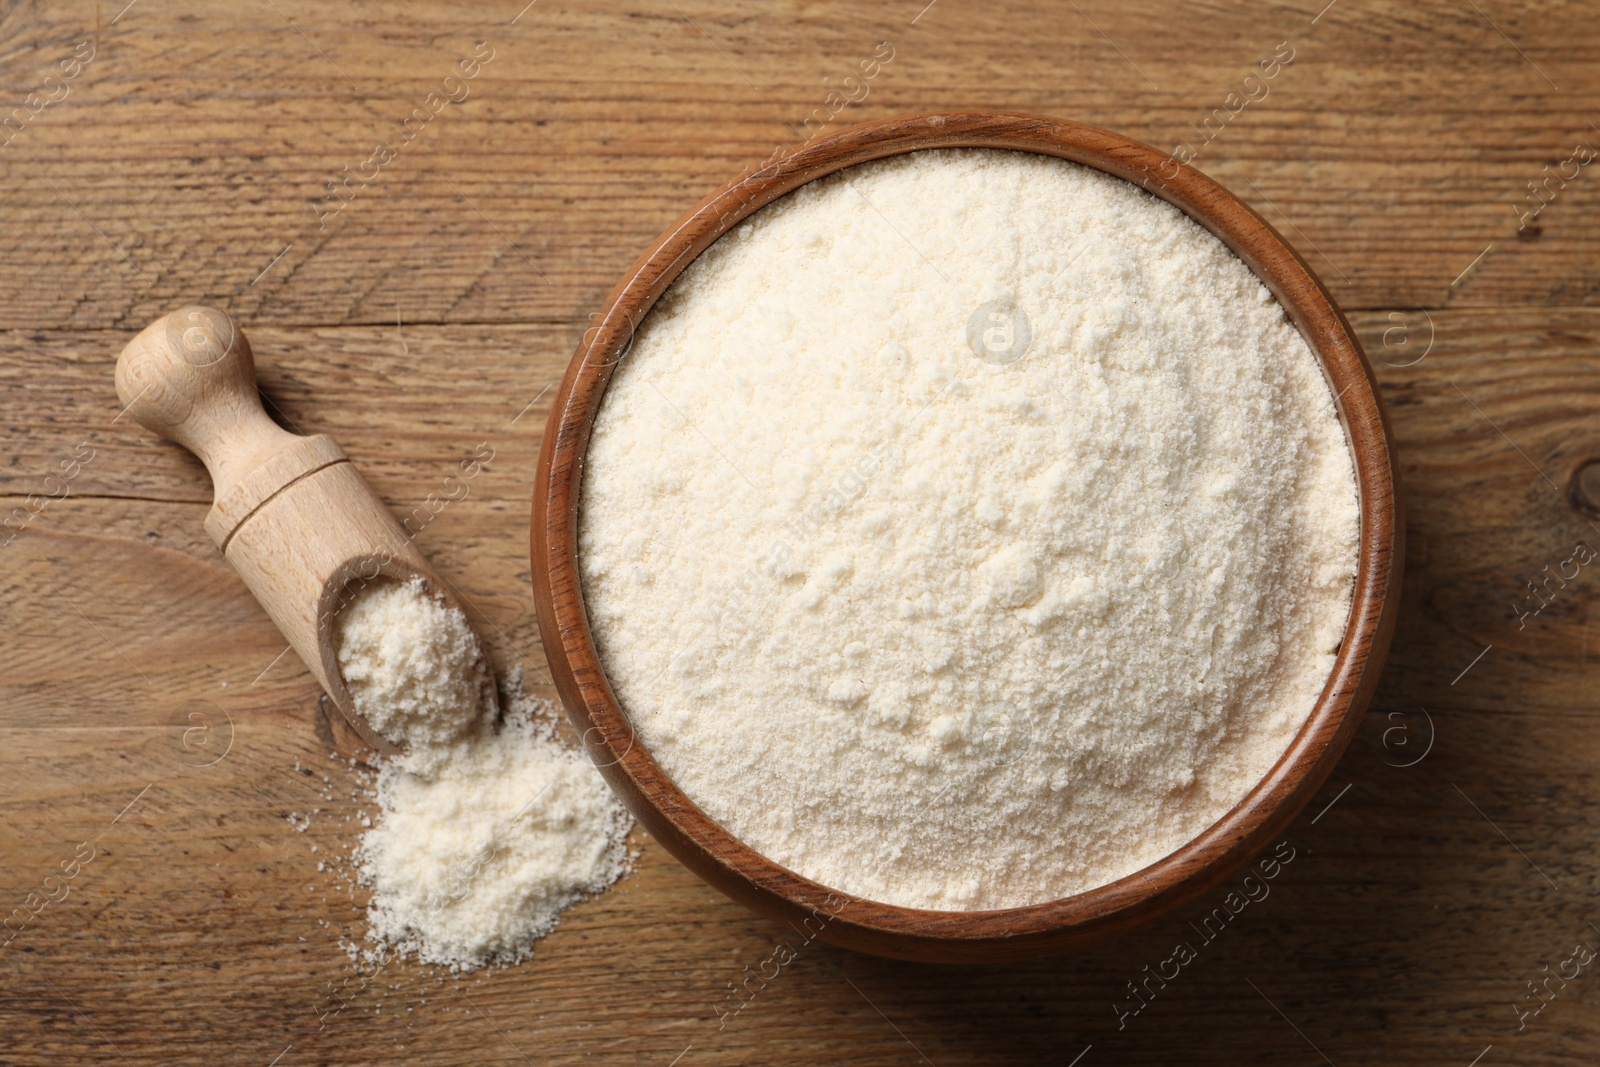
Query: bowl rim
1011	933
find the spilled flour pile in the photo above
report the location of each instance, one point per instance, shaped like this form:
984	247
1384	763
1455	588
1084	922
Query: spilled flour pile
487	830
968	529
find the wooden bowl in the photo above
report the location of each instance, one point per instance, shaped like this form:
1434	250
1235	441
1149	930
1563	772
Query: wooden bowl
970	936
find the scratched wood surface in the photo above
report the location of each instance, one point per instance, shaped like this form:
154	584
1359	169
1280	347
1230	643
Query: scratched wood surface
182	156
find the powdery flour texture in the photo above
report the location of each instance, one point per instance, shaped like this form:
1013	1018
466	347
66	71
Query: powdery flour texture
487	829
968	529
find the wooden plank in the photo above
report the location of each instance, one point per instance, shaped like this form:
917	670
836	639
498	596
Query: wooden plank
188	154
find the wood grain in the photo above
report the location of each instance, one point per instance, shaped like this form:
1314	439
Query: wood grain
1388	153
1423	109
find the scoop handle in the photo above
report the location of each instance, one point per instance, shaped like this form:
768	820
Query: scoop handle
190	377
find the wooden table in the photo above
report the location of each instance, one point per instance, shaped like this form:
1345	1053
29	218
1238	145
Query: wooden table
182	156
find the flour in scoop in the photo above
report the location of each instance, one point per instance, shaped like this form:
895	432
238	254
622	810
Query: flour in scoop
487	830
411	663
968	529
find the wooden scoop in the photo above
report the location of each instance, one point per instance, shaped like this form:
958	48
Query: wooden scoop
290	513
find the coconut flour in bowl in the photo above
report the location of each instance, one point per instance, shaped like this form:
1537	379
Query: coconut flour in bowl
967	529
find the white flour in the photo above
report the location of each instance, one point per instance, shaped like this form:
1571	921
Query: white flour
412	665
487	831
948	606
